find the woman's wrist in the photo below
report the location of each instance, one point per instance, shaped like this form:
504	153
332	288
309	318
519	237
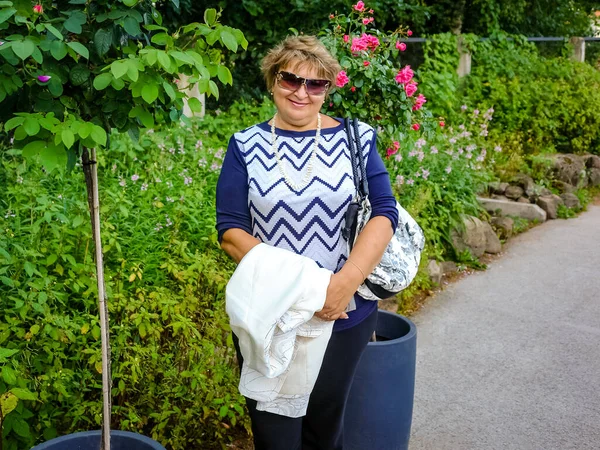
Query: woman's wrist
352	274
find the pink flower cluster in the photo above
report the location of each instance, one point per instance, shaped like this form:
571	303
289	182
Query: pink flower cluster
341	79
360	6
404	75
419	102
365	42
400	46
393	149
410	88
368	20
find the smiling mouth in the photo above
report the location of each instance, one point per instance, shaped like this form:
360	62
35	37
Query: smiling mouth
298	104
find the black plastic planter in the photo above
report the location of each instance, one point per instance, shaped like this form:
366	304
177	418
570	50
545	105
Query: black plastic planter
379	411
90	440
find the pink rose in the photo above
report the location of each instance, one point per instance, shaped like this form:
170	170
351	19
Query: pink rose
331	16
360	6
416	127
346	38
419	102
38	9
358	45
366	63
401	46
410	88
367	20
404	75
341	79
389	152
442	123
353	88
409	33
396	145
371	11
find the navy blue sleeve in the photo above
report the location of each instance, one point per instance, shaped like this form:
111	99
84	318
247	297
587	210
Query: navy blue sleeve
232	192
381	197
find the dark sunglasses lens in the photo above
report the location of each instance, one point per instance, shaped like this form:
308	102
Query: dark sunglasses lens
289	81
316	87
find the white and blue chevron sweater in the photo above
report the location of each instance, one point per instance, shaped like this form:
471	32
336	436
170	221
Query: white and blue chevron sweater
253	196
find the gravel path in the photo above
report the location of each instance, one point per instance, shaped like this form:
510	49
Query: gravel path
509	358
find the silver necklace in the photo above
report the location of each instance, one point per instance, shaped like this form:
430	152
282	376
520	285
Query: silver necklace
309	166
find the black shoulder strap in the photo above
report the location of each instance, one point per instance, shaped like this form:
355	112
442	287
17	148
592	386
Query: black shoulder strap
355	147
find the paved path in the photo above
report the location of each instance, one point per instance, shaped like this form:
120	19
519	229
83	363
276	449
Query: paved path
509	358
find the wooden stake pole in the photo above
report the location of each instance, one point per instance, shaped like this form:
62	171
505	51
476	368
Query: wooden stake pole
90	169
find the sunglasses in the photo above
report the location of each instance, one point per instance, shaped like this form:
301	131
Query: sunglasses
292	82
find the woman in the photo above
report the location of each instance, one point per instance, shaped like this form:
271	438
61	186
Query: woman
288	183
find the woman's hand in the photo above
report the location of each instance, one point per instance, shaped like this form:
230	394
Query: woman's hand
341	288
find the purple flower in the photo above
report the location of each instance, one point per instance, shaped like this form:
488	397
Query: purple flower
448	169
43	78
135	177
187	180
410	182
398	157
463	107
144	187
425	173
434	150
400	180
476	112
497	149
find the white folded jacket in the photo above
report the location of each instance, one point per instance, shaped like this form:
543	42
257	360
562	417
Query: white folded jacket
271	299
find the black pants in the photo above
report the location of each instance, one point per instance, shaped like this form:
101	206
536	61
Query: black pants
322	427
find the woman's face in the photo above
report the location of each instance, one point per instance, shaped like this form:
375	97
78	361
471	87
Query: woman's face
297	110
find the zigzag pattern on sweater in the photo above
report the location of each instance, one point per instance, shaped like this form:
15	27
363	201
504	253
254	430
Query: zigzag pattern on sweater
309	221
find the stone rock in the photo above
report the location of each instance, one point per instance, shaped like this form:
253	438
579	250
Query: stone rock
514	192
504	226
571	201
544	191
592	161
569	168
435	271
492	243
527	211
549	203
563	187
525	182
472	238
523	200
449	267
497	187
594	176
499	197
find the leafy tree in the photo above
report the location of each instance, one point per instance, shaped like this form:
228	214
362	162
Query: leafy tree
74	70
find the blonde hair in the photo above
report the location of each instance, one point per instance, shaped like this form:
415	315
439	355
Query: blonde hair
295	51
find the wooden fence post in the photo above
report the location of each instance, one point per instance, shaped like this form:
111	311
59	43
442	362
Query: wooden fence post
191	91
578	49
464	62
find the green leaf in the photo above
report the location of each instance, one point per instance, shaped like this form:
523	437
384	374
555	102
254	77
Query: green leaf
58	50
214	89
229	40
161	39
21	427
132	71
132	26
150	92
57	34
52	157
13	123
9	375
101	82
33	148
6	14
7	353
165	61
80	49
23	394
8	402
210	16
102	41
130	3
55	87
68	138
118	68
79	74
169	90
23	49
224	75
195	104
29	268
157	16
85	129
37	56
98	135
74	22
31	126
